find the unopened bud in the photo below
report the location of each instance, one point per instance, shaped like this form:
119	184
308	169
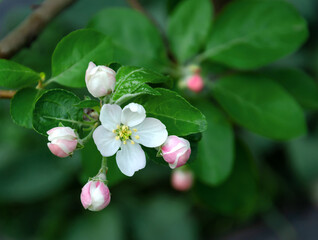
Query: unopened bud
63	141
176	151
181	179
95	195
195	83
100	80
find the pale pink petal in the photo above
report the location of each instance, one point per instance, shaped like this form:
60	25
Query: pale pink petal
86	196
57	150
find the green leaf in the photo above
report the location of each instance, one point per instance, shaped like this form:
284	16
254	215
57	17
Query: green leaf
73	53
303	156
131	82
91	163
251	33
22	105
179	116
15	76
216	148
188	27
107	223
164	217
238	196
36	175
87	103
260	105
54	107
137	42
299	84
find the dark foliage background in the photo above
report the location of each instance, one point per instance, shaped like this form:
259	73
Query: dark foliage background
39	193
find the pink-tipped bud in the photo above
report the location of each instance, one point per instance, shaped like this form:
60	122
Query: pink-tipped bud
176	151
100	80
181	180
63	141
195	83
95	196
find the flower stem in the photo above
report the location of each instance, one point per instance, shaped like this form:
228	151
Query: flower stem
89	135
104	167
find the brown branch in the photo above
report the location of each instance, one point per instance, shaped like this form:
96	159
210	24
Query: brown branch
28	30
7	94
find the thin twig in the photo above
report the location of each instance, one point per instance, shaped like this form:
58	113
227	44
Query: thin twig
136	5
7	94
29	29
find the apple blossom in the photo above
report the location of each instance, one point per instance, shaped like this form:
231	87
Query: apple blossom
181	179
100	80
63	141
195	82
95	195
125	129
176	151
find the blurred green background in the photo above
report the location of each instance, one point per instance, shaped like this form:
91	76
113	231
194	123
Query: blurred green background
274	197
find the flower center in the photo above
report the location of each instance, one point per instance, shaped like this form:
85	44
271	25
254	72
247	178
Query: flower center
123	133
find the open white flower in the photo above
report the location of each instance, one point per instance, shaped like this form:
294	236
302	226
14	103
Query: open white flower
125	129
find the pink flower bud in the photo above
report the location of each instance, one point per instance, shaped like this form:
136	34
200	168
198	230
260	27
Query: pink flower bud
176	151
63	141
95	195
195	83
100	80
181	180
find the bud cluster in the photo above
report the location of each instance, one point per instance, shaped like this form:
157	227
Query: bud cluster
121	131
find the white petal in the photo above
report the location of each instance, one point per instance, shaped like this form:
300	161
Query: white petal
105	141
151	132
130	158
61	133
89	69
110	115
133	114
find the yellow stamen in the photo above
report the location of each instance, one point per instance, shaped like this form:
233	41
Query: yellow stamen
124	142
134	129
137	137
114	131
117	137
132	142
129	132
118	127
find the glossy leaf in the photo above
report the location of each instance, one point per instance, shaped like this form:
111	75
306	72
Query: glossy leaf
251	33
260	105
73	53
299	84
188	27
54	107
22	105
87	103
15	76
136	40
216	148
131	82
179	116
